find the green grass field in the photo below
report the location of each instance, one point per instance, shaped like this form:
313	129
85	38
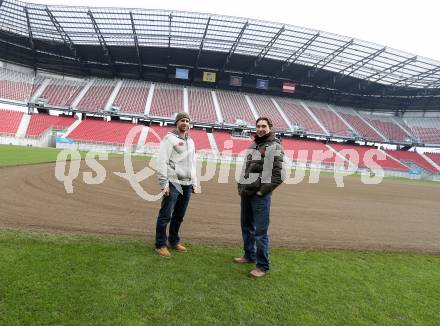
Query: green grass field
19	155
60	279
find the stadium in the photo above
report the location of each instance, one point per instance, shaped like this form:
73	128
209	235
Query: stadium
81	78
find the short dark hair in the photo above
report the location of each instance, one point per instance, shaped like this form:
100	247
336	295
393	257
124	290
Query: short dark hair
269	121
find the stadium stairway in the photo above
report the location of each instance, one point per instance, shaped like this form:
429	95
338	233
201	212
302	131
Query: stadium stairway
394	159
427	158
264	106
71	128
185	100
252	107
149	99
367	122
329	119
342	157
341	118
82	93
142	138
23	126
40	89
283	115
113	95
213	143
314	117
218	112
412	159
400	123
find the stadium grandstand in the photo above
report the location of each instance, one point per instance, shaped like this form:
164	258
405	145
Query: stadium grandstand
83	77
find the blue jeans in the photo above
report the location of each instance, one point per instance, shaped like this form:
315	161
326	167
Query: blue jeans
255	212
172	210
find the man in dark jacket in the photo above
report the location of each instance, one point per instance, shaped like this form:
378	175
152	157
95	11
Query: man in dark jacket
262	173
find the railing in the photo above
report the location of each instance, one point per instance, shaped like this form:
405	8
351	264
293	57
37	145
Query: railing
46	131
7	134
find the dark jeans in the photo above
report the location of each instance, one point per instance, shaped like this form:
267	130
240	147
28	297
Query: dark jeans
255	213
172	210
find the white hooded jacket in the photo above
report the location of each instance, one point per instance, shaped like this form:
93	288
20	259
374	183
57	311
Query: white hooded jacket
176	162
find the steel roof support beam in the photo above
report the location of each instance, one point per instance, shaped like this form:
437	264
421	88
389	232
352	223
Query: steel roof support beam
102	43
51	54
234	46
136	44
436	84
170	19
266	49
388	71
201	43
418	77
65	37
31	38
295	55
360	63
324	62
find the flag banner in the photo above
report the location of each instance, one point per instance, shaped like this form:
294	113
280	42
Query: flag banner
262	83
182	73
236	81
289	88
209	77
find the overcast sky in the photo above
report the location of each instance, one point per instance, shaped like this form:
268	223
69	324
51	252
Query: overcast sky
411	26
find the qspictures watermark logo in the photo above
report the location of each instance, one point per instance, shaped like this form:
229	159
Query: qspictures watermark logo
344	163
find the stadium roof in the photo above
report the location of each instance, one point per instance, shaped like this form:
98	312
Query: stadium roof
158	39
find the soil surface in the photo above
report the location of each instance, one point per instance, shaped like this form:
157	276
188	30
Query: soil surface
393	215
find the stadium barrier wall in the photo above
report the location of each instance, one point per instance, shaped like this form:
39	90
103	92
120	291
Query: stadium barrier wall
97	147
9	139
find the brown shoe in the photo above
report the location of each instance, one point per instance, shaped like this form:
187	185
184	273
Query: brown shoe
178	247
242	260
257	273
163	252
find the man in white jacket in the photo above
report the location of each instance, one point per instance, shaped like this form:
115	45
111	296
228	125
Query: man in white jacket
176	170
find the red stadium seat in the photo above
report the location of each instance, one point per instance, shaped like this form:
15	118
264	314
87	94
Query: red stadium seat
299	116
132	97
96	97
329	119
167	100
265	107
414	158
9	121
103	132
234	106
201	105
40	123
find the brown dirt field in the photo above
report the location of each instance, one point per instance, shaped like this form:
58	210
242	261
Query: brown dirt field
394	215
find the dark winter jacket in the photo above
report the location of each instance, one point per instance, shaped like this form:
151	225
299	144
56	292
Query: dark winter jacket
263	167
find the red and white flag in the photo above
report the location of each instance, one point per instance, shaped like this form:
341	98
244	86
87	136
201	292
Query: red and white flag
289	88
